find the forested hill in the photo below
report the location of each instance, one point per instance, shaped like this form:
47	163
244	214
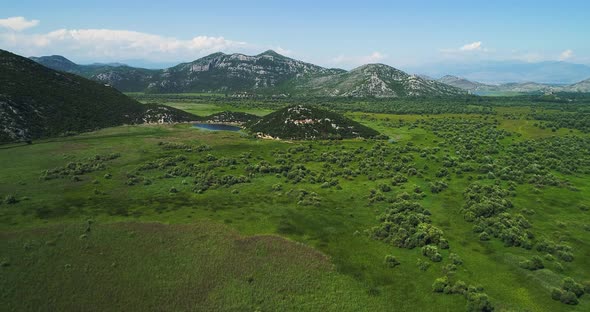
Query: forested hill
37	102
299	122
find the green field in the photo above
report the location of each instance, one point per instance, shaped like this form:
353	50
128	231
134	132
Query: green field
169	217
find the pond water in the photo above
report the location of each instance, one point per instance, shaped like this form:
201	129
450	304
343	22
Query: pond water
216	127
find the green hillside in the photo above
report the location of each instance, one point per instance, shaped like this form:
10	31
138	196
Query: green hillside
37	102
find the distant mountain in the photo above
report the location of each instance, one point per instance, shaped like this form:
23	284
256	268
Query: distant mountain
377	80
119	76
463	83
57	62
525	87
37	102
301	122
265	73
499	72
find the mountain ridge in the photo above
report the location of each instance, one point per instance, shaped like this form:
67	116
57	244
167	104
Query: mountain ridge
266	73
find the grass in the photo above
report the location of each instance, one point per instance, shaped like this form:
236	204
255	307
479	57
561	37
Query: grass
151	266
247	246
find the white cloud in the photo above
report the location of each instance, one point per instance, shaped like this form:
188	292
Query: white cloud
474	46
374	57
108	44
18	23
565	55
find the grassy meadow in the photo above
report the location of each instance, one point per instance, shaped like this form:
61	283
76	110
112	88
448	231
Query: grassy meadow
170	217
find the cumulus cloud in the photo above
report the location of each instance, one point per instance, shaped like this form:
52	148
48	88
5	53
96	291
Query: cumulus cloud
374	57
108	44
18	23
566	55
474	46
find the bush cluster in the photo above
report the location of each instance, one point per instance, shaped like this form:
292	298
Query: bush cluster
570	291
486	206
477	300
407	224
74	169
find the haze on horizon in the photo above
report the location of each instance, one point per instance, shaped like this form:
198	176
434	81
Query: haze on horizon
421	36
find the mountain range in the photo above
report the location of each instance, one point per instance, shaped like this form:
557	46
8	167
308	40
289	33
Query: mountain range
38	102
475	87
266	73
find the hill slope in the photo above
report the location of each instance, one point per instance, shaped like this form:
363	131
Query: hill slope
36	102
582	86
377	80
306	122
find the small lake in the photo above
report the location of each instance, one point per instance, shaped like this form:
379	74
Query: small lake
216	127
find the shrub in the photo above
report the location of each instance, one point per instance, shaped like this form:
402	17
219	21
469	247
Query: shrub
384	188
479	302
569	284
484	236
391	261
438	186
565	255
569	297
449	269
10	199
459	288
431	252
455	259
558	267
423	265
398	179
440	284
535	263
417	189
556	293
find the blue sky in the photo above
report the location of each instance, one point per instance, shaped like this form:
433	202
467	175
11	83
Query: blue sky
329	33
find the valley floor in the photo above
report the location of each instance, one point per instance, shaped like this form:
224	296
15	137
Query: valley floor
175	218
